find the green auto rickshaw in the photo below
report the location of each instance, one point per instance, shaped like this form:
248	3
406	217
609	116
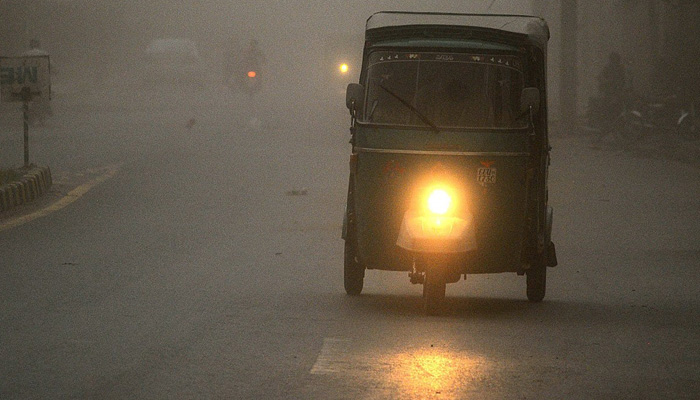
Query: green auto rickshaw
450	152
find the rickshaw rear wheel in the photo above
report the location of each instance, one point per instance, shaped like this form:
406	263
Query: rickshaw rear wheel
434	292
353	271
536	278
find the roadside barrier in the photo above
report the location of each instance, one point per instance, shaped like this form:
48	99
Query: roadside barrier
33	184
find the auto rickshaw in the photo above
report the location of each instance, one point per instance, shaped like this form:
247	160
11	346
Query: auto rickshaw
450	152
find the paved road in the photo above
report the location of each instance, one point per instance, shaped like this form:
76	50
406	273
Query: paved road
193	274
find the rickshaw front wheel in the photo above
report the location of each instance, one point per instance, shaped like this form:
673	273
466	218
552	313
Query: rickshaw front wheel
433	292
354	272
536	282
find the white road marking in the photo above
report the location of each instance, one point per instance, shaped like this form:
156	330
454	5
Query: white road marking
72	196
333	357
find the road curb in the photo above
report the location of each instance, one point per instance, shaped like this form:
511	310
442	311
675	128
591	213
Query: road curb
33	184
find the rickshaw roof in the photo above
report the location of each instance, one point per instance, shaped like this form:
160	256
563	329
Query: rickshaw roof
535	28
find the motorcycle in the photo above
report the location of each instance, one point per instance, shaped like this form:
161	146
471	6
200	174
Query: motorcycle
247	81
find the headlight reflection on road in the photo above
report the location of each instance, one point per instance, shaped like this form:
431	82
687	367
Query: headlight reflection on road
427	373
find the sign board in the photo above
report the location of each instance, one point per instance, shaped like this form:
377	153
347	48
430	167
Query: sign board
17	73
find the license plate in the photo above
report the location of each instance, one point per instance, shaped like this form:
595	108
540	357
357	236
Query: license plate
486	175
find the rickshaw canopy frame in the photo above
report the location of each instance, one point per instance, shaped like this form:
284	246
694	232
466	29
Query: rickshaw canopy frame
535	29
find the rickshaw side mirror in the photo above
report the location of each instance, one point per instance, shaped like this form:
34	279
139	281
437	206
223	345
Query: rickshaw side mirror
354	97
530	97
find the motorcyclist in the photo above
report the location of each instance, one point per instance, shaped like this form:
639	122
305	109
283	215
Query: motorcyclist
253	58
239	65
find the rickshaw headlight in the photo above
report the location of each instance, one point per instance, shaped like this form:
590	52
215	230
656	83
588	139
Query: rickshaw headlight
439	202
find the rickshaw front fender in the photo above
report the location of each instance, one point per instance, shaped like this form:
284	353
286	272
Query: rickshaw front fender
550	251
437	234
548	225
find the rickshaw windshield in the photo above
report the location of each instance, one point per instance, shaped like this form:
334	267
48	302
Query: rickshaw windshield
448	90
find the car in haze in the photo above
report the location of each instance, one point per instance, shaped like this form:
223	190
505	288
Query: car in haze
174	61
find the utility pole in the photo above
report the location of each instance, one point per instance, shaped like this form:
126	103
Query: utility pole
568	73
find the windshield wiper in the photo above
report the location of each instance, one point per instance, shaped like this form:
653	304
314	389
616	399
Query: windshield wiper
410	106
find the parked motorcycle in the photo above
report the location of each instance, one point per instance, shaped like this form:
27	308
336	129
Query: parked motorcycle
635	117
688	124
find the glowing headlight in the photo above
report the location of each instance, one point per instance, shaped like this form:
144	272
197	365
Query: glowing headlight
439	201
